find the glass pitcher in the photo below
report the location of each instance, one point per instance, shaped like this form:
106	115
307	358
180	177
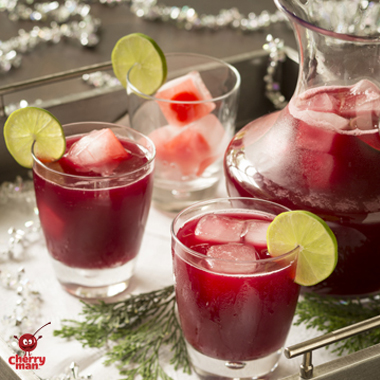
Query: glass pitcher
322	152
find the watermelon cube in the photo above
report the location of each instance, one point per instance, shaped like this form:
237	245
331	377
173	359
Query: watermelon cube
187	88
99	152
163	167
185	152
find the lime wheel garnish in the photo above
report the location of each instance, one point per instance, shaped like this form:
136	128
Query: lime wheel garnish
147	59
31	125
317	245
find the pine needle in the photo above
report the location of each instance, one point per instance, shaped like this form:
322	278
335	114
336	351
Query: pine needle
135	331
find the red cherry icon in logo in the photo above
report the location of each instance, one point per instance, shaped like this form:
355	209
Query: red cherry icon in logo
28	342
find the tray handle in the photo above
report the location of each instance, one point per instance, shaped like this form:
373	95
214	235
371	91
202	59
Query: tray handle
306	348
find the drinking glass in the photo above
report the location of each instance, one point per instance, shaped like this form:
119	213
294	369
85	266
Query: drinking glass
189	151
93	226
235	311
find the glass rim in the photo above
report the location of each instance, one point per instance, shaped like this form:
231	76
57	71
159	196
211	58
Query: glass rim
216	259
97	178
330	33
214	99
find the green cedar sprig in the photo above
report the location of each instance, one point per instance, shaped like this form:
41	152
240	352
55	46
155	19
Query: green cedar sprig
135	330
327	314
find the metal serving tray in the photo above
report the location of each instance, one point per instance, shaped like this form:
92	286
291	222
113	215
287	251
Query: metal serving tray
105	104
361	365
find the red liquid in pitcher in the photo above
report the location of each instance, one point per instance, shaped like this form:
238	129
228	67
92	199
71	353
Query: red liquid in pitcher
229	312
95	228
322	154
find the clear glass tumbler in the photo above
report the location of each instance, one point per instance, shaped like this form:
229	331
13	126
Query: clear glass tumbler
93	226
190	119
235	302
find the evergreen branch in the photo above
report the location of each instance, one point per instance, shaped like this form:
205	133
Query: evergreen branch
138	327
327	314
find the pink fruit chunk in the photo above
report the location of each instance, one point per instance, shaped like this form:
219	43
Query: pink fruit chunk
232	258
219	229
188	88
99	151
164	167
213	132
188	151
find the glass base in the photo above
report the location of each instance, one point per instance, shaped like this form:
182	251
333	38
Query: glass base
174	196
94	283
214	369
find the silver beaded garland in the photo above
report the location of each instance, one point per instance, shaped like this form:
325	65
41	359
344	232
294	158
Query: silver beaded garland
60	23
59	27
189	19
26	313
275	48
21	192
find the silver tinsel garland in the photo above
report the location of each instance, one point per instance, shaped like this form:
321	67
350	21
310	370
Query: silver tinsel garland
275	48
72	20
26	313
83	28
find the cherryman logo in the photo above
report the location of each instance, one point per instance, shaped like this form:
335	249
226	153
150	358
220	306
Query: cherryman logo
28	343
27	362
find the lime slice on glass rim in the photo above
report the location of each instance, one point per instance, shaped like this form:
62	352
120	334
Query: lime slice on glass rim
318	248
31	125
149	62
